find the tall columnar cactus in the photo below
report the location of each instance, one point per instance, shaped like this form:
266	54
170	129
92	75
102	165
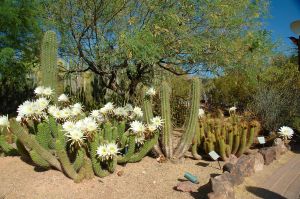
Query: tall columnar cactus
166	116
49	69
226	137
169	150
88	79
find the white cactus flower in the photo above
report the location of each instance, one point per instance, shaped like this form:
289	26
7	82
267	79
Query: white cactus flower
27	109
48	91
286	132
75	135
152	127
63	98
138	111
39	90
4	122
90	124
157	121
102	152
201	113
68	126
232	109
19	118
140	139
42	103
120	111
112	149
137	127
151	92
95	114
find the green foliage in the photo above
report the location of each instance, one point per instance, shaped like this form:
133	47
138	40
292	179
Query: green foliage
131	41
19	37
276	102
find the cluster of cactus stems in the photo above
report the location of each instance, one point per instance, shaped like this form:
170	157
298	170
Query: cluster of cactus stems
166	148
224	135
46	145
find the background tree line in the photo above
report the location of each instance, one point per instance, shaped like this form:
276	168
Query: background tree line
128	42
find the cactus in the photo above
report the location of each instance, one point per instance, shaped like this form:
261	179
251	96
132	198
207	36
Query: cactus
190	127
88	79
166	116
6	148
49	69
225	136
192	121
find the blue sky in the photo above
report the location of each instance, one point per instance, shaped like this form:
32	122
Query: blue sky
283	12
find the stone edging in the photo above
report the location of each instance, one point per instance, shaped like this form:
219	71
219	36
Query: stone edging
236	170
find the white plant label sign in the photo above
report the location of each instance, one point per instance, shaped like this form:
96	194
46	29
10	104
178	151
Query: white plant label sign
261	140
213	155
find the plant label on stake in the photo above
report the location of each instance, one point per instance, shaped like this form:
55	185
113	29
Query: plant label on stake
261	140
215	156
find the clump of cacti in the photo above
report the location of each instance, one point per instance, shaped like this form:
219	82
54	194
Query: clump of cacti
224	135
64	137
166	148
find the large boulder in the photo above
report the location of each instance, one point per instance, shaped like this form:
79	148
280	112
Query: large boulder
245	165
222	188
269	154
259	162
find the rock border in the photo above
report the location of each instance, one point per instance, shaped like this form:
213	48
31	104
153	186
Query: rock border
235	170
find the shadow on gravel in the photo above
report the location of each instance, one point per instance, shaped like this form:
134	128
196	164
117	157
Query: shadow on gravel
264	193
202	192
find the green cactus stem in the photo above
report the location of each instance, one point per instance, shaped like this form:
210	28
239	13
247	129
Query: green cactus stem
242	146
130	152
166	116
49	69
79	159
38	160
192	121
96	164
148	145
32	144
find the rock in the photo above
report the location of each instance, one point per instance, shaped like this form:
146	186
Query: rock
245	164
221	187
232	159
269	154
280	146
186	186
259	162
120	173
228	167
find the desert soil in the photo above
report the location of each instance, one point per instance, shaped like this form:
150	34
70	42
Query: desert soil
146	179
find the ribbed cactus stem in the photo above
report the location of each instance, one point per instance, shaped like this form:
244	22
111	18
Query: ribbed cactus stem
196	142
79	160
166	116
31	143
243	142
222	148
192	121
250	137
148	145
236	143
64	160
49	69
38	160
108	131
230	140
112	163
147	106
130	152
93	145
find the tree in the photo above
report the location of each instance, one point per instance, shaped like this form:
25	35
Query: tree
19	37
126	41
